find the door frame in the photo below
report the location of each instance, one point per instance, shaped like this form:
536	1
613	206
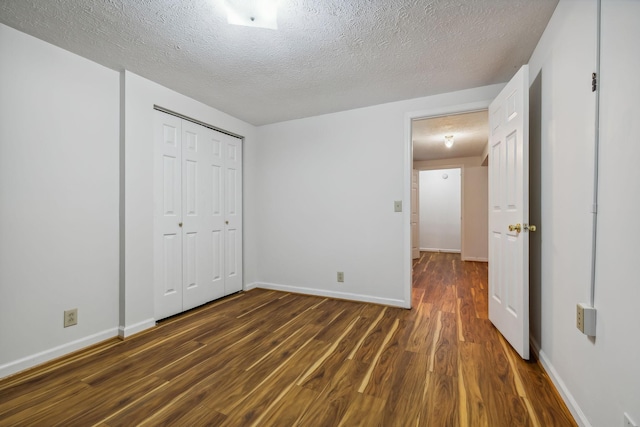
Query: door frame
408	168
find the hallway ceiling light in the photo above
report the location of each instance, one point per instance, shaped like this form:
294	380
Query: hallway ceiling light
448	141
253	13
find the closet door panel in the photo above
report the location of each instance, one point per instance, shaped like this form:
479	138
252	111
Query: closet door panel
233	213
196	195
167	215
217	216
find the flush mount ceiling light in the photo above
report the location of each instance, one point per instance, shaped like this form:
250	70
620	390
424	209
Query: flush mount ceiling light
448	141
253	13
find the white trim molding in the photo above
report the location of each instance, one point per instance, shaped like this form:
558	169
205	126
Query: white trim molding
474	258
55	352
448	251
567	397
330	294
127	331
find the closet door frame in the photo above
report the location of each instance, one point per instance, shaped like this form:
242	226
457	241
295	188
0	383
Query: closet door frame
206	215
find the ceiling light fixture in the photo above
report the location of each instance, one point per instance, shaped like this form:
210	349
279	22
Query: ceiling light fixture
448	141
253	13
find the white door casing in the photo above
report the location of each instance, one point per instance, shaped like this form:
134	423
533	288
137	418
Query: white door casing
509	206
415	214
197	244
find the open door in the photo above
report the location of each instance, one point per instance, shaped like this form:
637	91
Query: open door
509	212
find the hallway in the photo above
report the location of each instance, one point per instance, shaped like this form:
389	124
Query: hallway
494	385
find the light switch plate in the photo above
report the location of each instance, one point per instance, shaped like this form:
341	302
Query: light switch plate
397	206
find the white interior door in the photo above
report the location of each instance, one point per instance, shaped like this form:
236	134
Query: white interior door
415	214
167	216
197	215
197	244
233	213
509	212
217	214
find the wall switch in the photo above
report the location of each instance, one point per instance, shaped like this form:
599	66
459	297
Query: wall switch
340	276
586	319
397	206
70	317
628	422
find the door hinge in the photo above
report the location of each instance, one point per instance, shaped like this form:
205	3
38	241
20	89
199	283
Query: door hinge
594	82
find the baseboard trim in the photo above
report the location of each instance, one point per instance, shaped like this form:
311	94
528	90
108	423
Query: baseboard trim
127	331
447	251
330	294
53	353
565	394
476	259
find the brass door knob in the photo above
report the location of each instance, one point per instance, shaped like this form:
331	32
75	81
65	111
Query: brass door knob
179	224
226	222
516	227
530	227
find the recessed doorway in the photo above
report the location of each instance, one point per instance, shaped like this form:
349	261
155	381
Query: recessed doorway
447	143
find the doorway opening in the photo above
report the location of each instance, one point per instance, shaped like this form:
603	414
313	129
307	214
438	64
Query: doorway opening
451	142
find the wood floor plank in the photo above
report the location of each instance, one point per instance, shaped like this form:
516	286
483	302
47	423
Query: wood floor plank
440	403
333	402
473	412
372	343
262	399
386	366
419	339
287	411
279	359
260	374
16	410
363	411
318	374
445	346
405	406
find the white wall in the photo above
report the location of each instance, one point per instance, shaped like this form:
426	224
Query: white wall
76	143
445	163
327	186
58	200
475	213
140	95
599	378
475	206
440	210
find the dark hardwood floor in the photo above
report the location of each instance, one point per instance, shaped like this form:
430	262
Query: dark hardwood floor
267	358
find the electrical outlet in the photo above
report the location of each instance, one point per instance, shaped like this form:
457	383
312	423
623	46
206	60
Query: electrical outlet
340	276
580	318
586	319
628	422
70	317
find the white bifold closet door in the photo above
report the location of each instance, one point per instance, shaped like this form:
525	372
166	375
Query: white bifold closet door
197	215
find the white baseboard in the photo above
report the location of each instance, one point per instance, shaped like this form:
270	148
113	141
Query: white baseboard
331	294
448	251
53	353
566	395
127	331
474	258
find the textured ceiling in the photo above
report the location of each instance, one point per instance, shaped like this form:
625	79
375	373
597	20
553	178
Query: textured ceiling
326	56
470	131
